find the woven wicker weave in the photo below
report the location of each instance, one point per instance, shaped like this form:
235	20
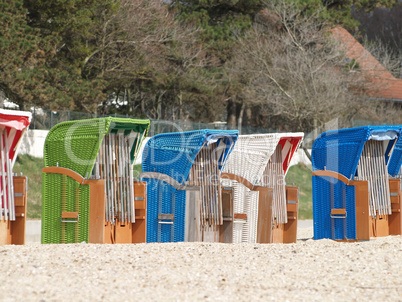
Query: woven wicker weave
340	151
244	201
173	154
75	145
13	125
395	161
249	159
343	196
251	154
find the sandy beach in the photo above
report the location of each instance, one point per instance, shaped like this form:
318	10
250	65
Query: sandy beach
308	270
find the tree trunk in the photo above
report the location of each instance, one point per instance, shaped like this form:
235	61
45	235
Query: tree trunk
142	104
159	108
129	103
240	118
248	117
2	99
180	105
231	110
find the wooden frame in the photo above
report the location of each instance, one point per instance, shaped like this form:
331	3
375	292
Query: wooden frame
101	231
266	231
395	219
367	226
13	232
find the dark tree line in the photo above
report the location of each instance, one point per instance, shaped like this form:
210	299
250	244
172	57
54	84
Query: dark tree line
247	62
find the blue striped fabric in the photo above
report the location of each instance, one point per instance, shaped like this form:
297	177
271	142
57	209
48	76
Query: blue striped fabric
173	154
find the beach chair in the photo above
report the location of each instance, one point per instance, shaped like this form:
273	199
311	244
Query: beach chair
13	196
260	207
89	193
354	194
182	172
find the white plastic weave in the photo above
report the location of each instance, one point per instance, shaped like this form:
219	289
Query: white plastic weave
251	154
253	159
245	201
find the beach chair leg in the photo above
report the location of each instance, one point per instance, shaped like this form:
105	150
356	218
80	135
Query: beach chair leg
395	219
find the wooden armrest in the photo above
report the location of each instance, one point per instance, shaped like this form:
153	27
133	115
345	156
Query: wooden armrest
240	216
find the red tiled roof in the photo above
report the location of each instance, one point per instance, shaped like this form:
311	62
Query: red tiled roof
383	84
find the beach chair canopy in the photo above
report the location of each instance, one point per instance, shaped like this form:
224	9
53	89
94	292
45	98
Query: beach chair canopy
251	153
173	154
15	123
12	127
75	144
395	162
340	150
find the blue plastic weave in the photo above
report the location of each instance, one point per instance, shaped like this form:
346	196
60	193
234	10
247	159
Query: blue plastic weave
173	154
395	161
326	189
340	150
163	198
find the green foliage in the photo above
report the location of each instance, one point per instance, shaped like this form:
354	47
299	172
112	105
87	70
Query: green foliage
157	59
24	53
77	22
33	69
221	20
300	176
137	169
340	12
31	167
352	65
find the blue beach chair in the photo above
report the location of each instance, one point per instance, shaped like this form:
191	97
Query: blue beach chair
355	193
182	171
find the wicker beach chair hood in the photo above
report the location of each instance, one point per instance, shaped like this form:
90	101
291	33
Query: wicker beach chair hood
75	144
173	154
252	153
16	123
340	150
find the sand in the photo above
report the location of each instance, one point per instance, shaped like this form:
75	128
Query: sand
308	270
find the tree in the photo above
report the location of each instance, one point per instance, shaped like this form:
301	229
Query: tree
221	22
341	11
78	24
295	74
147	59
33	69
23	53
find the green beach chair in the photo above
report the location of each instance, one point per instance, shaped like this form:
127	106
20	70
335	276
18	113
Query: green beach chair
88	188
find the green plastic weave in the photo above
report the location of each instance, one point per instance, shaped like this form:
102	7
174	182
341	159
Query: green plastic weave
52	225
75	145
